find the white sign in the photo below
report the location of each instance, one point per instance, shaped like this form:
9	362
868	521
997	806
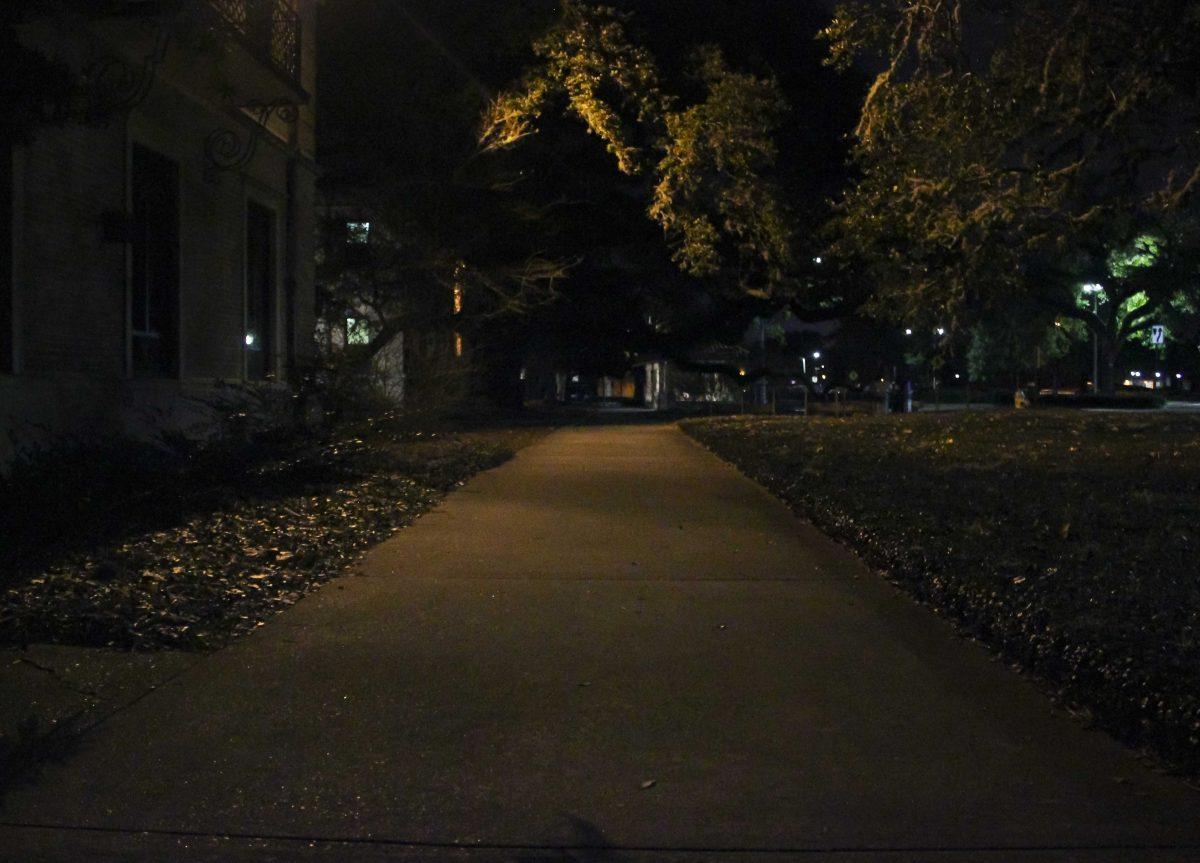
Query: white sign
1158	335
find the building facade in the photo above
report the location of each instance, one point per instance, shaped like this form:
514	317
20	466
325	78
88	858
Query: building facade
161	243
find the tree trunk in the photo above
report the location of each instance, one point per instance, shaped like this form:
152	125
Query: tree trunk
1110	353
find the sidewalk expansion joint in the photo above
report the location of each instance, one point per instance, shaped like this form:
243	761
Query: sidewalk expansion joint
632	849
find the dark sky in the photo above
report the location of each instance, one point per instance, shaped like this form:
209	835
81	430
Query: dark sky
405	78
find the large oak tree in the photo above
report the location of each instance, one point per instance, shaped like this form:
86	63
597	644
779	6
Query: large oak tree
1013	152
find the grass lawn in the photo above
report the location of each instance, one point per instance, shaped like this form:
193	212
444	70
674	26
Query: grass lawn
122	548
1069	542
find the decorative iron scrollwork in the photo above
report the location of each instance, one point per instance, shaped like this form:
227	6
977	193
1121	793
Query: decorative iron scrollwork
229	149
268	28
115	86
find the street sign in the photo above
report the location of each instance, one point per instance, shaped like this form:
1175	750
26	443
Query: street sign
1158	335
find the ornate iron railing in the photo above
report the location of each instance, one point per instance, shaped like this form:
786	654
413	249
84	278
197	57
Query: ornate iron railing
268	28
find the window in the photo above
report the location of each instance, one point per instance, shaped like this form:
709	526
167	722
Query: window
358	233
260	291
458	299
154	258
6	262
358	331
458	344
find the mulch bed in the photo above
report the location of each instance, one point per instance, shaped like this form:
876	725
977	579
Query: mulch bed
1068	542
238	544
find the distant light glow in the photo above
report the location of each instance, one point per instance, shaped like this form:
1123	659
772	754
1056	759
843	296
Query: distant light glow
941	331
817	260
1178	377
249	340
358	233
458	346
816	355
458	299
908	332
1093	288
1158	374
958	377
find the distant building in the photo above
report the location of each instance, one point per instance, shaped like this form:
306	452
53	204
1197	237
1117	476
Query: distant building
712	375
164	242
374	302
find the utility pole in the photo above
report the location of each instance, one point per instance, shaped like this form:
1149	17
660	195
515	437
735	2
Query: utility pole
1095	290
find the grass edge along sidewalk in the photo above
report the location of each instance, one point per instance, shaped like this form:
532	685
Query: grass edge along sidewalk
1069	543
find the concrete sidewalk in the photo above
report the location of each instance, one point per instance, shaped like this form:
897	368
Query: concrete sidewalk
614	647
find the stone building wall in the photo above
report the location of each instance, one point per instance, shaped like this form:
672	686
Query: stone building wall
71	370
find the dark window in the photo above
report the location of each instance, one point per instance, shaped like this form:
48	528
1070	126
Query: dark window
6	262
154	286
260	291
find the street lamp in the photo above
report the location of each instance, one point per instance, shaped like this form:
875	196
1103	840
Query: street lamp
1095	290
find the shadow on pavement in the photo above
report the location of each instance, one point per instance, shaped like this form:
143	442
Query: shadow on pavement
32	745
587	844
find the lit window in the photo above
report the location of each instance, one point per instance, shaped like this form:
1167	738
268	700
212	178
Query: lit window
458	344
458	299
358	233
358	331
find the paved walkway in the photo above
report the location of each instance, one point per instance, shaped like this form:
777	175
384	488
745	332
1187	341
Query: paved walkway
612	648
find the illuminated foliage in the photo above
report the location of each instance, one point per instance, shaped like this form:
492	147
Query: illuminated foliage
708	162
1142	253
1015	150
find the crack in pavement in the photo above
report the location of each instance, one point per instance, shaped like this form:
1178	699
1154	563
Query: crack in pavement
57	675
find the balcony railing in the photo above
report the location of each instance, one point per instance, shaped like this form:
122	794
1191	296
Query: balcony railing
270	29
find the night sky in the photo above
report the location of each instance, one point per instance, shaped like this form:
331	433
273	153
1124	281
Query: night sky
402	83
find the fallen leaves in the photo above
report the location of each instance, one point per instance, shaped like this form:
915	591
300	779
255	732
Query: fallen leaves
223	572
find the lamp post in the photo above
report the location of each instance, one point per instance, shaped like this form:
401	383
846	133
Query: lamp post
1094	291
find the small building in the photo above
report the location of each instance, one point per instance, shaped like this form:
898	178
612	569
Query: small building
705	377
159	242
